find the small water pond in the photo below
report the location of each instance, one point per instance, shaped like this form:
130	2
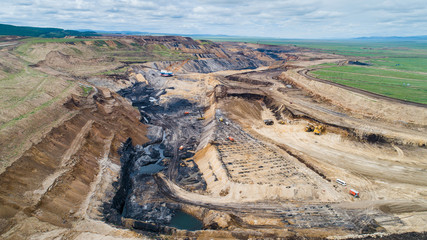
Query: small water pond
184	221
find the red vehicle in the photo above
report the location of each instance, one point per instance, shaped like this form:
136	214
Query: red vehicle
231	139
354	193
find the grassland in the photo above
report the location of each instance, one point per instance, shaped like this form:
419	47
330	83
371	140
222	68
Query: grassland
396	84
396	69
27	92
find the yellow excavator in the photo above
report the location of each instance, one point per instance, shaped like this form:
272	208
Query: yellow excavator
309	128
318	130
201	116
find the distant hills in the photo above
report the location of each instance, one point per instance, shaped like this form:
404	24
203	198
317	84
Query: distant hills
155	34
394	38
6	29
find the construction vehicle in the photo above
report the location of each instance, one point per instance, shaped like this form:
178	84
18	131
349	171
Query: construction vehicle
201	116
318	129
282	122
166	73
268	122
341	182
354	193
231	139
221	119
309	128
180	65
174	67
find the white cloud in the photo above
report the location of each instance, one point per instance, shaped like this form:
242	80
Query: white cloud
269	18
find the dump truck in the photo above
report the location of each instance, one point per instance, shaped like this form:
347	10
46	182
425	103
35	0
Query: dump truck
354	193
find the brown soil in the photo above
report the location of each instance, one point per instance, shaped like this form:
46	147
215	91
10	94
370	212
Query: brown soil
52	179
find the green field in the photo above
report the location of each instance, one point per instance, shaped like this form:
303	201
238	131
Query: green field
398	66
397	69
397	84
382	82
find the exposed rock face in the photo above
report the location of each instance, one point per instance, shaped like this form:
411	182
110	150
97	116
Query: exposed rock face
215	64
138	197
155	133
215	220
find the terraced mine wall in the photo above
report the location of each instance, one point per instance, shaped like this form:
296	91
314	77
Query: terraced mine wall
52	180
214	64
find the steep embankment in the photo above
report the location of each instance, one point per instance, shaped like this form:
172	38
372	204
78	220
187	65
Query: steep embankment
62	179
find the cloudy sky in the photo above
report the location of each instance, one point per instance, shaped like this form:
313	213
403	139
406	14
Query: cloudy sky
264	18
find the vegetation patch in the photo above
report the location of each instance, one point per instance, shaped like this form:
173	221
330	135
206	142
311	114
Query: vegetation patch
86	90
6	29
37	109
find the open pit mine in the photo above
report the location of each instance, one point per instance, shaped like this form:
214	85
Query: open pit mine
228	140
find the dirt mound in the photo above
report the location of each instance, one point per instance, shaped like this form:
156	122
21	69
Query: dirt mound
60	61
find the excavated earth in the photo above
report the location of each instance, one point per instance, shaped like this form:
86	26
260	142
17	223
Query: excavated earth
189	156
